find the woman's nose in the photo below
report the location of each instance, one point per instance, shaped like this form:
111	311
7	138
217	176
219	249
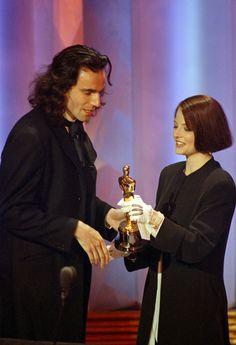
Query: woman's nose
177	132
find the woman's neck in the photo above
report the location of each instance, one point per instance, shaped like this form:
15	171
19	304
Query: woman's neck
196	161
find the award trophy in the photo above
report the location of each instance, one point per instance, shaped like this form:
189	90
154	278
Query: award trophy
128	239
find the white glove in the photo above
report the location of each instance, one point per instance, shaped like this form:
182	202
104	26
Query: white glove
140	212
126	206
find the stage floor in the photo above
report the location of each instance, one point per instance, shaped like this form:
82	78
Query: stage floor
120	327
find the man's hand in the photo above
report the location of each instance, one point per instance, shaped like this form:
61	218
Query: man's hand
92	243
114	217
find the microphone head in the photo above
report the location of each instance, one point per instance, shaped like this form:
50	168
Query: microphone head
67	276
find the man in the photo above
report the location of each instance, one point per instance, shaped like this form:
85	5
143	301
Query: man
48	207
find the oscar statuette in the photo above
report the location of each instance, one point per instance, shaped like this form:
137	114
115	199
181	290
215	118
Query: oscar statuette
128	239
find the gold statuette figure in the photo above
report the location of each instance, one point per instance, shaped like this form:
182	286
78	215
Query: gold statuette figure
128	239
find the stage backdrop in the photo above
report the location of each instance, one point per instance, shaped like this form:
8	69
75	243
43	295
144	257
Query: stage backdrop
162	51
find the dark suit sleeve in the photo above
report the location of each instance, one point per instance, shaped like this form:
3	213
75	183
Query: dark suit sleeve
210	224
102	209
21	210
160	188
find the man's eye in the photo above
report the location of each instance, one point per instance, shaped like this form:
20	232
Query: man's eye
102	93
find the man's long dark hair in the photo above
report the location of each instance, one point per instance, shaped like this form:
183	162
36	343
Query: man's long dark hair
49	88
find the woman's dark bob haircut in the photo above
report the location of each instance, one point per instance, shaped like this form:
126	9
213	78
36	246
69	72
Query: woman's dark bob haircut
206	118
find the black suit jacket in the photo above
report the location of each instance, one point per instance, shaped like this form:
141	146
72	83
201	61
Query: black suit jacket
43	192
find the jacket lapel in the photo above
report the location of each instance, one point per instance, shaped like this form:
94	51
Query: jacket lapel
170	189
66	144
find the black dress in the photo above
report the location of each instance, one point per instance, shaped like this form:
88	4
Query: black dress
198	209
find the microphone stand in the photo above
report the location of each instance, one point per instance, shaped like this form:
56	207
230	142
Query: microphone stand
57	329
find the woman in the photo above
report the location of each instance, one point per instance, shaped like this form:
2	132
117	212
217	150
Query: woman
184	300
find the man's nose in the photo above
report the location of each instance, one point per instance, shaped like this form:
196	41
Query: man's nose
96	100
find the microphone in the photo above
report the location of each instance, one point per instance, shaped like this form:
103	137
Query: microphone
67	276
